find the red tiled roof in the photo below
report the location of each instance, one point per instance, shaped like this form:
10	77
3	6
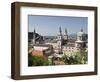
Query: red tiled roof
37	53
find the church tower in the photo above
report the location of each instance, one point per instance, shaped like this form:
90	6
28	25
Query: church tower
65	35
34	37
81	40
59	42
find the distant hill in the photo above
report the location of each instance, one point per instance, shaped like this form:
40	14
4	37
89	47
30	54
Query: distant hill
50	37
73	36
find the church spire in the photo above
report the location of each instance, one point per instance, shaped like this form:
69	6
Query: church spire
65	31
59	41
60	31
65	35
34	36
34	31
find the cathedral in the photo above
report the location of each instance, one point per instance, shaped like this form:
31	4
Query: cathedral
62	39
56	48
62	44
65	44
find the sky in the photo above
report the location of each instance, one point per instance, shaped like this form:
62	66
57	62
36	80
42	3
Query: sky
49	25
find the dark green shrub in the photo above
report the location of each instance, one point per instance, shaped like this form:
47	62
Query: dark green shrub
38	61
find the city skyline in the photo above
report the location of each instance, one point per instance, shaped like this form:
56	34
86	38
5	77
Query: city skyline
49	25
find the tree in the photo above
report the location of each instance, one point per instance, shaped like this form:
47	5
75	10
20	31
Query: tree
29	60
39	61
76	58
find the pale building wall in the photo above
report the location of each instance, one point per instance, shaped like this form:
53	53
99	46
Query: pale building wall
41	48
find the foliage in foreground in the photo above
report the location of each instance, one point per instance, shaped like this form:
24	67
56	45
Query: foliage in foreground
78	58
38	61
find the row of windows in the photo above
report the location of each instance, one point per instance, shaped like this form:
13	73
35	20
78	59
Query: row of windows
71	50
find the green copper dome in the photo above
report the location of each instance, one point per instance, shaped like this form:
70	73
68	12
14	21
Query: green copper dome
81	33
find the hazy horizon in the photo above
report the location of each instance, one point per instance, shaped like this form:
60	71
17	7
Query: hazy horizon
49	25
